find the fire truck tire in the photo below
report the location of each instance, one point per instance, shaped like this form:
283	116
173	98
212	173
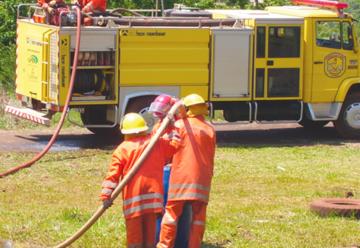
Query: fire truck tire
312	125
336	206
141	105
94	115
348	122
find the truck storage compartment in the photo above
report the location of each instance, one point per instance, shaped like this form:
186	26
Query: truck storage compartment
164	56
231	63
32	59
95	81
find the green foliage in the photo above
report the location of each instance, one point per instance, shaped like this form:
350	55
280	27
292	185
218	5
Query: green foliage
7	66
8	11
130	4
202	4
7	40
274	3
354	9
8	23
237	3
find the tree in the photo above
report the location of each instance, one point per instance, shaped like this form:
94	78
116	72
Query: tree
7	41
354	9
274	3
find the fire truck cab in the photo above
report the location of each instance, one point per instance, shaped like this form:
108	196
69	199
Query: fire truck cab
305	68
290	63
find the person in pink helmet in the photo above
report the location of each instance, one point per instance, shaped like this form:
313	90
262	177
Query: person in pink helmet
160	107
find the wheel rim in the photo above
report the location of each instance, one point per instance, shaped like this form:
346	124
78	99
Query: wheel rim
352	116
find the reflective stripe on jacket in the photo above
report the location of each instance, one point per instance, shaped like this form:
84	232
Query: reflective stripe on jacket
144	192
193	163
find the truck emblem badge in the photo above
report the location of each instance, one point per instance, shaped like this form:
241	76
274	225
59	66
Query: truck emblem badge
33	59
64	42
335	64
124	32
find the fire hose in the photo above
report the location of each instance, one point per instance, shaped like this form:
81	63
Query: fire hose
99	212
66	106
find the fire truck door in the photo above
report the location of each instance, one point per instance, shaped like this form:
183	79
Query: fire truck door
278	62
333	58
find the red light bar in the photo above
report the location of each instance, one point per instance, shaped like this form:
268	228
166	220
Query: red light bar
323	3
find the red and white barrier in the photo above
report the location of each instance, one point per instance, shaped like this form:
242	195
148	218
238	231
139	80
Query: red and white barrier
28	114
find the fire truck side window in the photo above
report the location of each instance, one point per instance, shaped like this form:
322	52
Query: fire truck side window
260	42
284	42
348	41
328	34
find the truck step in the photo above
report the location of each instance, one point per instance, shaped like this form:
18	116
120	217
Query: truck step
28	114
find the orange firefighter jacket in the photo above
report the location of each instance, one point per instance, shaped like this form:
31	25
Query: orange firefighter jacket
144	192
91	5
168	132
192	164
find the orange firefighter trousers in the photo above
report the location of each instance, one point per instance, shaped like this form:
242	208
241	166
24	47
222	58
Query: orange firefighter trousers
141	231
169	223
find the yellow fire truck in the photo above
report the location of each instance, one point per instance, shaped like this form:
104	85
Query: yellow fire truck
291	63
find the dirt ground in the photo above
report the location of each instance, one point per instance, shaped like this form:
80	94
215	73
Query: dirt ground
227	135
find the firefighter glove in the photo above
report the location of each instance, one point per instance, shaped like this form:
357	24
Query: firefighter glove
107	203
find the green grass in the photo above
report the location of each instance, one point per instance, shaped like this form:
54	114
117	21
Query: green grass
260	198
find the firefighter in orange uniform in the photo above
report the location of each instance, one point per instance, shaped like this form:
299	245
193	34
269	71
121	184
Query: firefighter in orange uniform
192	171
91	6
143	195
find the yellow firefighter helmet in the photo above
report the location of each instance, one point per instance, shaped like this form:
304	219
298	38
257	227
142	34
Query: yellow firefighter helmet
193	99
133	123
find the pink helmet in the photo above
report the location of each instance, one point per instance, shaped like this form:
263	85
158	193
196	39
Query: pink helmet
161	105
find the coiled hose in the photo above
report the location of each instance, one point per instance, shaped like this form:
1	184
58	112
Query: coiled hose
66	106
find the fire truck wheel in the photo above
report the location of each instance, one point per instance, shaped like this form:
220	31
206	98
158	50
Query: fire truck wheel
336	206
96	115
141	105
312	125
348	123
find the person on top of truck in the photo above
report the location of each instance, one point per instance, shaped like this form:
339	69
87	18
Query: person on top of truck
92	6
51	5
